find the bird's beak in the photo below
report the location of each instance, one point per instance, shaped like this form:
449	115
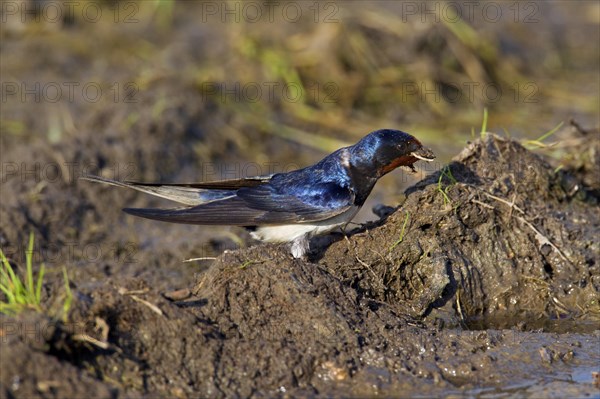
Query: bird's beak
424	154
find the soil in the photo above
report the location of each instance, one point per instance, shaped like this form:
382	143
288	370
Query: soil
484	280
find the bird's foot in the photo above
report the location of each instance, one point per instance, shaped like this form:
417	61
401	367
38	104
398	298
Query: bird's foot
300	247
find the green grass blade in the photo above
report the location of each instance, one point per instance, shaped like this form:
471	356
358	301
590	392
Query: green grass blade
446	172
484	123
38	288
22	294
7	269
401	238
13	282
4	277
30	289
4	260
550	133
9	283
538	142
10	297
69	297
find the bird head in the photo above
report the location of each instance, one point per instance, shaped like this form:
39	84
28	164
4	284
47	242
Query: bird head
382	151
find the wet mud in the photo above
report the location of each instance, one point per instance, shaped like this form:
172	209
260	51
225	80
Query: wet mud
484	281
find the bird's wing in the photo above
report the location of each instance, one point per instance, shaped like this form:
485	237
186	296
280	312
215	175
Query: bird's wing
262	205
188	194
232	184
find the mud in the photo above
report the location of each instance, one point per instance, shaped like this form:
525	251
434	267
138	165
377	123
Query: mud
496	235
459	293
484	282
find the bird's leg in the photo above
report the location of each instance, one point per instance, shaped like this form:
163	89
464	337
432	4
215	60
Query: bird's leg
300	246
343	228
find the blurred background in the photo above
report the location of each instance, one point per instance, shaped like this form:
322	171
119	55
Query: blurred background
202	90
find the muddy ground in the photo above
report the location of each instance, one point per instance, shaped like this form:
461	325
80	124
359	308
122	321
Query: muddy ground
490	286
482	280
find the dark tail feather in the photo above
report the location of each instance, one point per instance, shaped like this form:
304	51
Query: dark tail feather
202	214
181	194
164	215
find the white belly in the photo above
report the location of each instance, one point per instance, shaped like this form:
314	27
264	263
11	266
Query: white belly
291	232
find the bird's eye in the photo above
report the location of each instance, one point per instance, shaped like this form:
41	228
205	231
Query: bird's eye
413	146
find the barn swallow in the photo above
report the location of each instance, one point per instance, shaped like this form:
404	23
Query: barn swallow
293	206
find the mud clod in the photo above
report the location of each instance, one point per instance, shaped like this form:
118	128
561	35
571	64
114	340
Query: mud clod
502	245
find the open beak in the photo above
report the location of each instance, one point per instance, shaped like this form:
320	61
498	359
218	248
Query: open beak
424	154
